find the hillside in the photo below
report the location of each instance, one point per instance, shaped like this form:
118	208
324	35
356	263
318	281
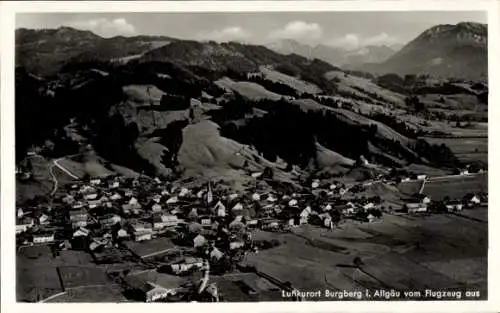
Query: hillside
459	50
47	51
187	109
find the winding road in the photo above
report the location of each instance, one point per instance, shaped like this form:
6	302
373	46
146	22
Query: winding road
51	171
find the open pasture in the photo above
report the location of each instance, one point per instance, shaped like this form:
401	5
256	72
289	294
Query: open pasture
456	187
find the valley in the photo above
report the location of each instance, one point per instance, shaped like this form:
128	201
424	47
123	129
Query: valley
154	169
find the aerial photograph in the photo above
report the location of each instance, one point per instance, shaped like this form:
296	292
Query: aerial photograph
251	156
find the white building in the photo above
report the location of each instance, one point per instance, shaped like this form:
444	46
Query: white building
43	238
169	220
24	224
416	207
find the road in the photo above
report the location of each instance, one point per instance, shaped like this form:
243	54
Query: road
51	170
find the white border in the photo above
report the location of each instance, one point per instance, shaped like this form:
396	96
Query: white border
8	276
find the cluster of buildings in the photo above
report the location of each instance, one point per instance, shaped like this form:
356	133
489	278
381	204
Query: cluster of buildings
213	223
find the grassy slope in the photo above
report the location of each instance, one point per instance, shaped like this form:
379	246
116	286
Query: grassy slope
249	90
395	251
297	84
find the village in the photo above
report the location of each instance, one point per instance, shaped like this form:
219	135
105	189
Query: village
205	229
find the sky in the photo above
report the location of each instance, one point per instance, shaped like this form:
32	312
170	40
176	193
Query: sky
346	29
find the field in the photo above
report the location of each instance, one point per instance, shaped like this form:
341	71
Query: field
456	186
297	84
466	149
40	185
41	275
411	187
249	90
399	252
91	294
149	247
93	168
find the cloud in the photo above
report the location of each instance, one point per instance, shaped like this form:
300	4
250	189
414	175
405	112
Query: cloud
298	30
231	33
106	27
354	41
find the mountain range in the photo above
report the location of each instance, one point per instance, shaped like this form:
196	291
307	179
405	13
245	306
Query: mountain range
444	50
337	56
459	50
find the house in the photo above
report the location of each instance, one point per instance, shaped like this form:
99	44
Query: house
81	232
304	215
158	223
173	200
114	185
133	201
254	75
94	204
326	219
252	222
464	172
236	245
20	213
370	218
43	237
78	205
472	199
425	200
200	194
233	196
122	233
199	241
95	182
206	221
368	206
149	291
109	220
156	207
143	235
293	203
169	220
256	197
43	219
271	198
90	196
87	190
189	263
347	209
193	214
216	254
220	209
138	227
256	174
24	224
453	206
68	199
415	207
269	223
421	177
78	218
116	196
184	192
238	207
